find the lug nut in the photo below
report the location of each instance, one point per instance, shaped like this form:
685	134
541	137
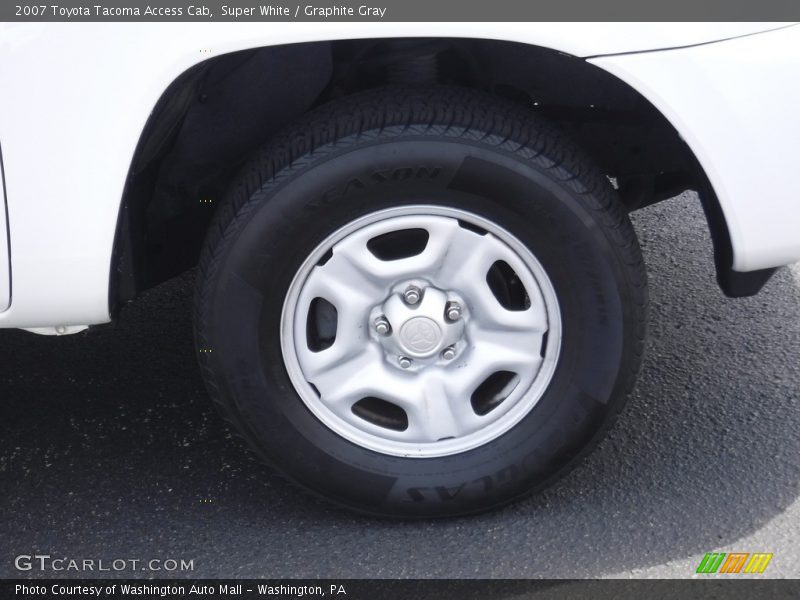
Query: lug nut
382	326
453	311
449	353
404	362
412	294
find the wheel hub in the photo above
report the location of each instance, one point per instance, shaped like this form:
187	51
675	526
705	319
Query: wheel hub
420	330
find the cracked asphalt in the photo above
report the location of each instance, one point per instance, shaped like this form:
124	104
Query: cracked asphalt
109	448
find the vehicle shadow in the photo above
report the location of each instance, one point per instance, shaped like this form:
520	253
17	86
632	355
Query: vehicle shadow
109	448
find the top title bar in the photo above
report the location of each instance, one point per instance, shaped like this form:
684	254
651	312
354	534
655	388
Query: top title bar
404	10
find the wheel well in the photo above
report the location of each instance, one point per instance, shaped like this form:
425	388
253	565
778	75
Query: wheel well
215	115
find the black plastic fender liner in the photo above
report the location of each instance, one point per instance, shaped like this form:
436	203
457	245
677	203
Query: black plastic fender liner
199	130
733	283
741	284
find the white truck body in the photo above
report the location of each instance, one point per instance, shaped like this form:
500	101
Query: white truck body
77	96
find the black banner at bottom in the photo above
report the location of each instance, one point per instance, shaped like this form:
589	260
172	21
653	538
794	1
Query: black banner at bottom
405	589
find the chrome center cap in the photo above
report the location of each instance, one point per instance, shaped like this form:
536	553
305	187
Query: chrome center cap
420	336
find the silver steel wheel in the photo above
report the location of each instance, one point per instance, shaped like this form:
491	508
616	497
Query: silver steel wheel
421	331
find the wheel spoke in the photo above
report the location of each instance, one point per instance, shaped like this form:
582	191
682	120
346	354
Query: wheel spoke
470	258
438	414
498	348
339	282
469	255
348	379
351	335
378	272
525	321
465	268
495	351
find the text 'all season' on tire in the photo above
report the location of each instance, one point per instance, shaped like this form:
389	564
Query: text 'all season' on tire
421	303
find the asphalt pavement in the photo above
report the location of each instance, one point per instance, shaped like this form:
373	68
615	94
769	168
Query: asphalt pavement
110	449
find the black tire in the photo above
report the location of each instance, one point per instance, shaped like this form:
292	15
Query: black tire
519	173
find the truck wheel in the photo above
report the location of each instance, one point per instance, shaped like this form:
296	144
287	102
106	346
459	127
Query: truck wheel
421	302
